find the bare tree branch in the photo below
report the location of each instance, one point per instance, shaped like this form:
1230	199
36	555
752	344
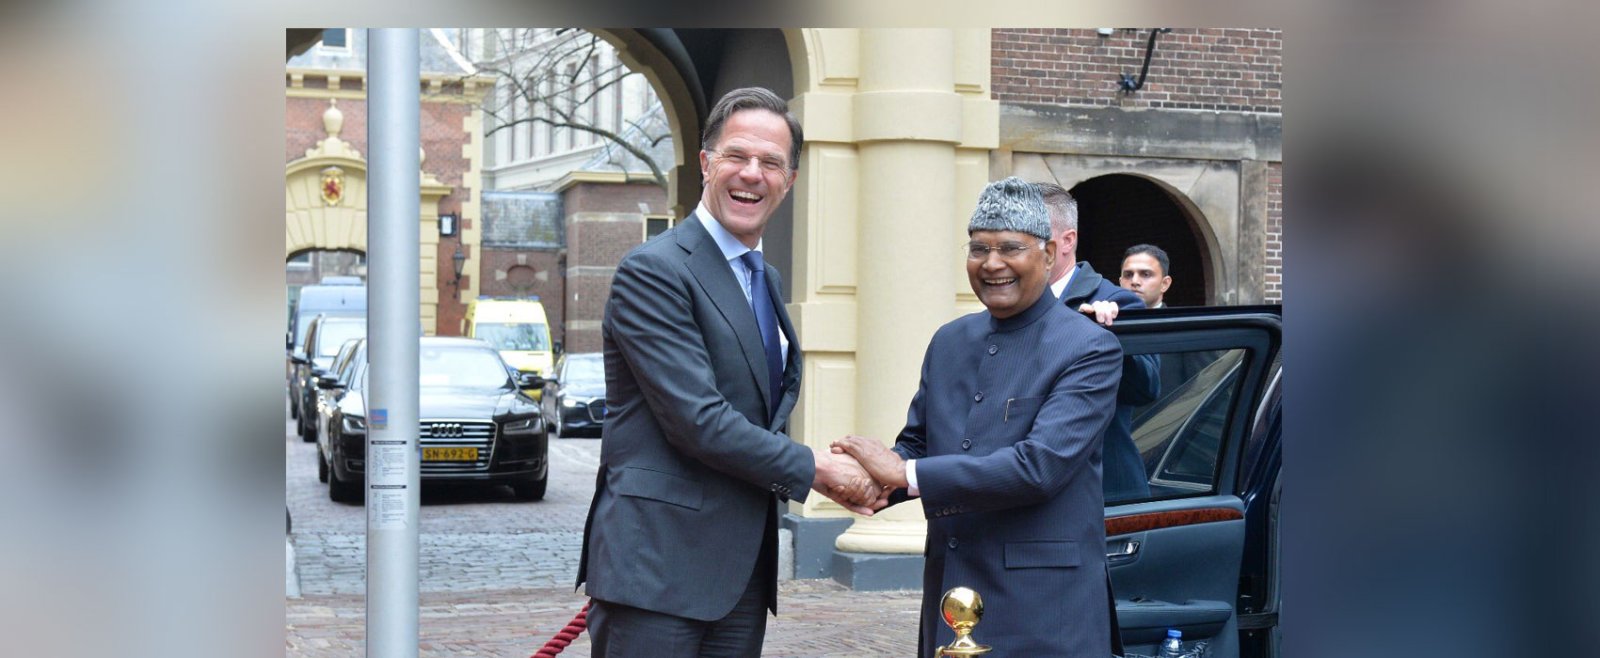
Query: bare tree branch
539	88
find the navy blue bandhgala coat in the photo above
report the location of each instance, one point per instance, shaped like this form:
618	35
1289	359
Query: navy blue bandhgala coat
1006	429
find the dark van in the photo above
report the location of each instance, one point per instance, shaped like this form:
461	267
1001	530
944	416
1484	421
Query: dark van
335	297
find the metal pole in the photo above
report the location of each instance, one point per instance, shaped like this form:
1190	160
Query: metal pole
393	309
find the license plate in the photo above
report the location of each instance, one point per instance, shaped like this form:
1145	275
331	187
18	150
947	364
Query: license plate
449	454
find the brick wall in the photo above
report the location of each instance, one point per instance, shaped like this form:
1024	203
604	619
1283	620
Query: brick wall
1237	70
596	242
442	138
1274	262
610	197
528	272
1219	69
304	125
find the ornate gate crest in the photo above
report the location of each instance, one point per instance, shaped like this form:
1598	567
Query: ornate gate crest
332	186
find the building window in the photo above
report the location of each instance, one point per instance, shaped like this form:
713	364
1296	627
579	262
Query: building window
336	37
300	261
654	226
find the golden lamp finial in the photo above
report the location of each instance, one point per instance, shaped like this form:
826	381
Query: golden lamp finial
962	609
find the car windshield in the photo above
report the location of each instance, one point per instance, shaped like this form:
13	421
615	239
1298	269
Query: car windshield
464	367
334	334
585	371
525	336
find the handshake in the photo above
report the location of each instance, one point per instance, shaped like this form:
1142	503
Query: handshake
859	474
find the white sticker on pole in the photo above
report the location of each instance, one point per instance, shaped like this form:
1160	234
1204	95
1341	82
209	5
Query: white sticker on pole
388	462
386	477
386	507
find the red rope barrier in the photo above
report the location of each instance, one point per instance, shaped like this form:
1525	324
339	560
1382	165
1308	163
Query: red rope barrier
559	643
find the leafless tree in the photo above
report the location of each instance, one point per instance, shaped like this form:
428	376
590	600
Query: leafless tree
557	76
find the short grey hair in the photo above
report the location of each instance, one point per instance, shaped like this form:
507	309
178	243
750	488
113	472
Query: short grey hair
1058	199
1011	204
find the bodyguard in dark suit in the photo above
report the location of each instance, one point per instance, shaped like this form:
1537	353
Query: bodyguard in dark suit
702	371
1002	443
1082	289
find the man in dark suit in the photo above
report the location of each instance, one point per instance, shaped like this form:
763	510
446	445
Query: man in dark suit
1082	289
1002	443
1146	273
702	371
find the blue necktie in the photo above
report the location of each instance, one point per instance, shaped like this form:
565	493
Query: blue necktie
767	320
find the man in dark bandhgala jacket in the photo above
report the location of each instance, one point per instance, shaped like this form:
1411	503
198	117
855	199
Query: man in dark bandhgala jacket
1002	444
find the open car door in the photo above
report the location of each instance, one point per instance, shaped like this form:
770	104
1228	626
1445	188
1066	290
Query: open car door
1178	553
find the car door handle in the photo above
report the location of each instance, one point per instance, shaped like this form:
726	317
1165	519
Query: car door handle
1127	549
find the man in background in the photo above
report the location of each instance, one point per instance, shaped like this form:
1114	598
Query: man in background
1145	272
1084	290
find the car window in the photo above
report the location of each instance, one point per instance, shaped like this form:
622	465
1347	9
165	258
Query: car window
585	371
332	335
468	367
341	363
1179	434
526	337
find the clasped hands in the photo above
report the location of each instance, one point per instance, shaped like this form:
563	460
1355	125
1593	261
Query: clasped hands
859	474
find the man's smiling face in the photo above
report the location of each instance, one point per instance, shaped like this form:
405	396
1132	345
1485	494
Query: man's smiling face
740	193
1009	284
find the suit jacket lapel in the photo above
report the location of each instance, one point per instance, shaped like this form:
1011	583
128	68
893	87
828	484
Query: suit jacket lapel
1084	282
791	365
712	272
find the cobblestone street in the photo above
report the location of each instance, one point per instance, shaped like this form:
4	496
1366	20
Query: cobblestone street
472	537
496	574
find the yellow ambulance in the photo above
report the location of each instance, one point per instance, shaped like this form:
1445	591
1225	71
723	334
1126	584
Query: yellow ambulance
517	327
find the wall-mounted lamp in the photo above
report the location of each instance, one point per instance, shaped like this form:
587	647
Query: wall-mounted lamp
1127	82
458	261
449	224
1104	31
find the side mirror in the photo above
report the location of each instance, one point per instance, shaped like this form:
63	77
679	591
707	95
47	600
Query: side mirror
530	380
288	341
329	382
298	359
558	347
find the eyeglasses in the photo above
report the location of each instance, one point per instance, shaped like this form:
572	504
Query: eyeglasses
1007	250
739	160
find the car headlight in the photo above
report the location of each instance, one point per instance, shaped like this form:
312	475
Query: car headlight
355	424
524	426
569	403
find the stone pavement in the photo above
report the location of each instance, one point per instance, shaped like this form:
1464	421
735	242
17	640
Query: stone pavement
496	574
815	618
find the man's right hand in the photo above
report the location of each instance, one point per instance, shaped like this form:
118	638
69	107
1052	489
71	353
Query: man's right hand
841	479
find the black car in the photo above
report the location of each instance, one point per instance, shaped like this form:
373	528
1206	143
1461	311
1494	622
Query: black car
576	400
324	336
476	424
1199	552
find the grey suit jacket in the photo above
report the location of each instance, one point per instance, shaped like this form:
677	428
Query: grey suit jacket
692	463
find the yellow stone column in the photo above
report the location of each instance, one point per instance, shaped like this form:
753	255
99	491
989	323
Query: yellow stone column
907	123
899	126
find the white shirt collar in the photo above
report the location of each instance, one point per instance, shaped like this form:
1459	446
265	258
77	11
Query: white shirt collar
731	246
1061	286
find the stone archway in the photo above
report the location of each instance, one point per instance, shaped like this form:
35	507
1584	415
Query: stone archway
1207	194
325	206
1117	211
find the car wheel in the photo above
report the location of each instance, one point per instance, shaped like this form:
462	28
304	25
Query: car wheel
529	490
307	433
340	491
294	409
322	467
